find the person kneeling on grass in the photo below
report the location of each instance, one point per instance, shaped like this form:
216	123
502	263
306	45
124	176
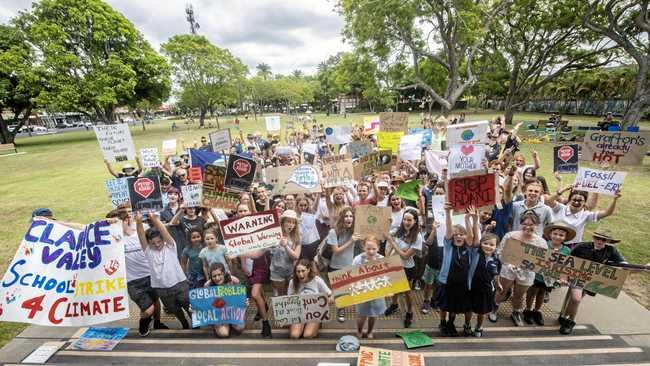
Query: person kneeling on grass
220	277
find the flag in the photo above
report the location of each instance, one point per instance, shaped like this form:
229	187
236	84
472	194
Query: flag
200	158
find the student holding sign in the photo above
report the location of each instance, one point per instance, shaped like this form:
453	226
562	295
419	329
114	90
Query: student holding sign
219	276
284	255
372	309
128	170
306	281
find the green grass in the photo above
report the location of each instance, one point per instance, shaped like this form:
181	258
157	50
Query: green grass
65	172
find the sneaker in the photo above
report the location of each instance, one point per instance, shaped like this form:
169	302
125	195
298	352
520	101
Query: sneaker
478	333
408	320
561	320
157	324
538	318
340	314
424	309
417	285
266	329
444	332
467	330
517	318
451	329
493	315
528	316
567	327
391	309
143	329
258	316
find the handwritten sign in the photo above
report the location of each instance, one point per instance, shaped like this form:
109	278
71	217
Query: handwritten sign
119	190
214	193
359	149
303	178
565	158
425	133
145	194
149	157
218	305
369	219
194	174
370	125
256	231
220	140
169	147
300	309
192	195
468	133
371	280
62	276
338	134
616	148
464	158
338	174
272	123
593	276
387	357
115	142
476	190
393	121
599	181
410	147
389	140
240	173
99	339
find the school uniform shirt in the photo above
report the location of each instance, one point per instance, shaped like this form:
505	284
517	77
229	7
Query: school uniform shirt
216	255
137	265
383	202
502	218
577	220
313	287
417	245
344	258
166	271
544	212
308	230
194	263
396	219
281	263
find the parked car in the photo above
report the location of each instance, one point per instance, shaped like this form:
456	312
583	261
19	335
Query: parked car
88	124
64	125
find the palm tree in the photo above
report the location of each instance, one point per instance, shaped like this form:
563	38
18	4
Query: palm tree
263	70
297	74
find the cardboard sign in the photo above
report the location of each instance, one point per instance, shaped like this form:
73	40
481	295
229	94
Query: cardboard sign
272	123
376	161
338	135
214	193
372	280
220	140
194	174
260	230
169	147
115	142
62	276
389	140
436	161
149	157
387	357
338	174
565	158
371	125
218	305
468	133
466	158
303	178
599	181
192	195
359	149
415	339
616	148
240	173
43	352
476	190
393	121
596	277
99	339
118	189
410	147
145	194
370	219
300	309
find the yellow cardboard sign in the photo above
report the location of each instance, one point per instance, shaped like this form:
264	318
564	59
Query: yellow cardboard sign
389	140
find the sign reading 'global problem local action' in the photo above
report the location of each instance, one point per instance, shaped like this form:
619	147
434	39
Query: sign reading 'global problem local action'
252	232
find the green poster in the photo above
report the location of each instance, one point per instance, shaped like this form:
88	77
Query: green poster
409	190
415	339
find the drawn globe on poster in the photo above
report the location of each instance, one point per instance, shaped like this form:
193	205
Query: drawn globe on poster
372	220
305	176
467	135
329	131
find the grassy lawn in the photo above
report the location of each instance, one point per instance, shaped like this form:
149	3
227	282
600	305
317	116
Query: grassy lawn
66	173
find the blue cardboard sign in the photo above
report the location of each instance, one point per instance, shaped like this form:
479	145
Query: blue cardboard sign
427	135
218	305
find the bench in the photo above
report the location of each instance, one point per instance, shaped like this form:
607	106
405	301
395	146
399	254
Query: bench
8	147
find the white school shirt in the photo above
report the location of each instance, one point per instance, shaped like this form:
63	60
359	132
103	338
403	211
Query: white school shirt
577	220
166	271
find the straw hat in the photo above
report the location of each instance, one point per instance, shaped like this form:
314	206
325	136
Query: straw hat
605	234
289	214
568	229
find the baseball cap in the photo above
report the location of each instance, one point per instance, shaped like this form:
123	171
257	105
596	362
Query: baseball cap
382	183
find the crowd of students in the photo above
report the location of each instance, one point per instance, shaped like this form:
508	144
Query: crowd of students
181	247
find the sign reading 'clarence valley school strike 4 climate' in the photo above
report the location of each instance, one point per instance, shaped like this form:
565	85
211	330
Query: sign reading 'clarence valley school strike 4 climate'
256	231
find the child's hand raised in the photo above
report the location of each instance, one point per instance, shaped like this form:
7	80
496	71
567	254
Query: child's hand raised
448	206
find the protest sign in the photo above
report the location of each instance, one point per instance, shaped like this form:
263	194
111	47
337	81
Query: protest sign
370	125
410	147
389	140
468	133
285	150
475	190
393	121
260	230
338	134
62	276
303	178
43	352
218	305
220	140
599	181
300	309
593	276
99	339
118	188
169	147
331	159
425	133
145	194
371	280
438	142
436	161
115	142
240	173
310	148
375	161
415	339
409	190
338	174
192	195
387	357
149	157
359	149
272	123
464	158
616	147
194	174
214	193
565	158
371	220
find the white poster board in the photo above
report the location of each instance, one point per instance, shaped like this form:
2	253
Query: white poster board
410	147
149	157
115	142
464	158
468	133
599	181
169	147
192	194
272	123
220	140
338	135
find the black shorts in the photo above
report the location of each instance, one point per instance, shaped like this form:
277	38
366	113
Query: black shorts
410	273
542	285
141	293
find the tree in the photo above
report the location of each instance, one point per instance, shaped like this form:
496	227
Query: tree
207	75
297	74
94	58
264	70
458	27
626	23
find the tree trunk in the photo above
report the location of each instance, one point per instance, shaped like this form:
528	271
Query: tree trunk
635	110
509	114
204	111
6	137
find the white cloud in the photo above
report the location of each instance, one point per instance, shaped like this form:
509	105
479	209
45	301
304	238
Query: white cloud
287	35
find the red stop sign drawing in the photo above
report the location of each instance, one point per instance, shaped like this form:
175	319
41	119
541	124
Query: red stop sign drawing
144	187
565	153
241	167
